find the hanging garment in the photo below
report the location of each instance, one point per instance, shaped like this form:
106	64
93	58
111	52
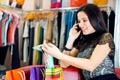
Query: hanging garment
31	41
1	18
3	27
62	33
12	29
8	22
105	17
41	42
20	28
111	22
3	52
25	39
59	18
15	55
36	42
55	33
69	22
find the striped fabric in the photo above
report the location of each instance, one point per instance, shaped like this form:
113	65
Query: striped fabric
53	74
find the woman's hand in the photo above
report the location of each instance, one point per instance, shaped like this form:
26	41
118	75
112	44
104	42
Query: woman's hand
74	33
51	49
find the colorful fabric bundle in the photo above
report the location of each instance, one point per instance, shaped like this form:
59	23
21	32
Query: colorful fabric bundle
54	73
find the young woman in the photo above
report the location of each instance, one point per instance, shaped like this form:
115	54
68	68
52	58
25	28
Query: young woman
91	48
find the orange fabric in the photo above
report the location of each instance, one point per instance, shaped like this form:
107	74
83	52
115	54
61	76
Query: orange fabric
13	74
21	2
76	3
100	2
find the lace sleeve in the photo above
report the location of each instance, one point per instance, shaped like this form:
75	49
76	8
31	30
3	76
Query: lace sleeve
107	38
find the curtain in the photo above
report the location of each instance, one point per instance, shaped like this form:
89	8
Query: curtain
117	34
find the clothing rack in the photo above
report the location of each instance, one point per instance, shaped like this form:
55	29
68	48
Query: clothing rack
23	12
20	11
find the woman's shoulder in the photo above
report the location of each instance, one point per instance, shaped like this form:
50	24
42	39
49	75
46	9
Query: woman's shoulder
106	35
105	38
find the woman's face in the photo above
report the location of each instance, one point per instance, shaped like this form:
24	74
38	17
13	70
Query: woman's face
84	23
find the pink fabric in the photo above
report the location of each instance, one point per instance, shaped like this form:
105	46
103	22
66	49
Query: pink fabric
56	5
71	73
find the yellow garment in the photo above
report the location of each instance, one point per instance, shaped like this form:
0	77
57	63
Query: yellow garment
100	2
30	16
36	42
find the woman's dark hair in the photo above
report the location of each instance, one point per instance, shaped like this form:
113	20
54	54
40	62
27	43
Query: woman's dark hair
95	17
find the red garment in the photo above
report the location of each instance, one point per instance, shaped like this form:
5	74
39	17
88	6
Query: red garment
76	3
12	29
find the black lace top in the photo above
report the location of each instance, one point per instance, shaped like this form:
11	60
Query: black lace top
86	47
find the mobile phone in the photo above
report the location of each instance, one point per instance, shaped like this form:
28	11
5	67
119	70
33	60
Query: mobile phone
78	28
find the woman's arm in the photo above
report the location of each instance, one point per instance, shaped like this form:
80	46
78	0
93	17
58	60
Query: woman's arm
73	53
98	55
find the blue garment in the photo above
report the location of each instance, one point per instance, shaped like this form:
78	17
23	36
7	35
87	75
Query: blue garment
15	56
59	25
41	42
70	21
31	42
3	52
